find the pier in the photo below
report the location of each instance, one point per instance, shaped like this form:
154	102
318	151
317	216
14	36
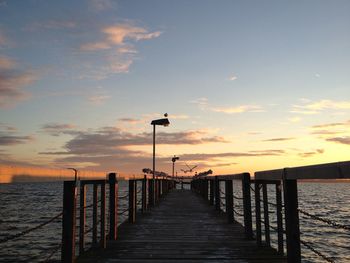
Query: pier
222	218
198	224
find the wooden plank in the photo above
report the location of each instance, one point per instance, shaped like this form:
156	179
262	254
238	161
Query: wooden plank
183	228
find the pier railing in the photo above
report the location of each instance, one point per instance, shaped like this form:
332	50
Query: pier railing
106	210
285	183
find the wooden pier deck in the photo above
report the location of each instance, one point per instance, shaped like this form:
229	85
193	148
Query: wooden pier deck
182	228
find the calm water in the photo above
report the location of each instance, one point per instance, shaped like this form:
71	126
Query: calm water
24	205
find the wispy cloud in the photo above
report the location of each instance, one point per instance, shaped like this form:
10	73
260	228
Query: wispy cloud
332	125
316	107
233	77
238	109
3	39
129	120
51	25
55	129
117	35
100	5
312	153
10	140
203	104
12	82
119	41
279	139
98	99
7	128
342	140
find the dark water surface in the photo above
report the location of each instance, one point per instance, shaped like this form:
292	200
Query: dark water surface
24	205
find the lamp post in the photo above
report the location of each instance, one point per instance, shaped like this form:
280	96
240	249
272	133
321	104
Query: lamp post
174	159
75	173
161	122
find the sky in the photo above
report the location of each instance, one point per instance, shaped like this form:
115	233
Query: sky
247	85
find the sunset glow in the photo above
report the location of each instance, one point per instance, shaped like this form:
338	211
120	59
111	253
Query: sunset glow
248	85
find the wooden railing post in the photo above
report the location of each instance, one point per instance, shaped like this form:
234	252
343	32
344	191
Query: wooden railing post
132	201
257	213
151	192
68	221
211	193
205	194
144	194
113	206
266	215
82	218
94	215
292	220
229	200
247	206
279	217
217	194
103	216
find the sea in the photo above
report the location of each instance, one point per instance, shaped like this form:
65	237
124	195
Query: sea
26	205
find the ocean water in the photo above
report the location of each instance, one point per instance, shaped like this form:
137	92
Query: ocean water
24	205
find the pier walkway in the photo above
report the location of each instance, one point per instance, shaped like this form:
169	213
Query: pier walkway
183	227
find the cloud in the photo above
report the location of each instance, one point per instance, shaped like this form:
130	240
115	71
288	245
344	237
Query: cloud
98	99
129	120
342	140
117	35
95	46
51	25
12	83
10	140
108	146
238	109
7	128
7	63
101	5
117	44
311	154
317	107
233	77
294	119
55	129
3	39
332	125
279	139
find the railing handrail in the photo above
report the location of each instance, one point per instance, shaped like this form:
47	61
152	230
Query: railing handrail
336	170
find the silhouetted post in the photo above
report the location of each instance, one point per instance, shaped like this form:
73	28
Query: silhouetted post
144	194
266	215
257	213
292	220
132	201
94	215
217	193
211	193
229	200
247	206
113	206
151	192
103	216
82	218
279	217
68	222
205	193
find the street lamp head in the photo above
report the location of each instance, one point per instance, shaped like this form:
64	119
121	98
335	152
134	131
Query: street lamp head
161	122
175	158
